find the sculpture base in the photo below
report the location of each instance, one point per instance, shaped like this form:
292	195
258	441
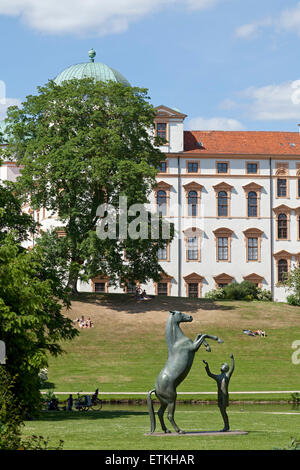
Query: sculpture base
198	433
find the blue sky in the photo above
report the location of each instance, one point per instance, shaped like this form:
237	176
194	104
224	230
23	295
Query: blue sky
227	64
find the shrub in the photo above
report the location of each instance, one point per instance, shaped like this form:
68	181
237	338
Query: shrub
264	294
292	299
240	291
215	294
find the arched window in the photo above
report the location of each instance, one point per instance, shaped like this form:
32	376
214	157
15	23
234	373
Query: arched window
282	227
222	204
193	203
252	204
162	202
282	269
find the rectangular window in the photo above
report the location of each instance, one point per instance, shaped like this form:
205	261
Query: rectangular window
162	288
222	284
252	249
161	130
281	187
99	286
131	288
222	167
193	167
192	252
162	254
223	248
252	168
162	167
193	290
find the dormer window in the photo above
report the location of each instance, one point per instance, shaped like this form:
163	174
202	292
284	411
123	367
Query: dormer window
161	130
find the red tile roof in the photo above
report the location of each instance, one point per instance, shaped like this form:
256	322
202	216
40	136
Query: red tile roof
242	142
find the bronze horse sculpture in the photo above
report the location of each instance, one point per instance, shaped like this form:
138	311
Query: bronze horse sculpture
181	352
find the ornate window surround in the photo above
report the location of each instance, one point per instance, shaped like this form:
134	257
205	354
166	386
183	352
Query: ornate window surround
193	278
191	233
163	186
257	189
253	233
283	254
104	279
282	172
165	278
223	279
282	209
227	188
223	232
192	186
255	278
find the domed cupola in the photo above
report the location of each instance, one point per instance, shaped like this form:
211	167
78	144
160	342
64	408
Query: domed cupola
91	69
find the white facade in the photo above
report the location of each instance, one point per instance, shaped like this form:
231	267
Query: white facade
222	238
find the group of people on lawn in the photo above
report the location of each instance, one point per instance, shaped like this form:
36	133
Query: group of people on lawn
82	323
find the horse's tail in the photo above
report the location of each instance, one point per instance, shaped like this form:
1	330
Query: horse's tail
151	411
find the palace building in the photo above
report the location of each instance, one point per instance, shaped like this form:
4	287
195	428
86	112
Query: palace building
233	196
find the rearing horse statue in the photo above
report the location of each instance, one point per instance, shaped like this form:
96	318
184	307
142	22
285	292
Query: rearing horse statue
181	352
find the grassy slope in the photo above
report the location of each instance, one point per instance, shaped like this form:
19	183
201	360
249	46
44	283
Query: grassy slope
126	349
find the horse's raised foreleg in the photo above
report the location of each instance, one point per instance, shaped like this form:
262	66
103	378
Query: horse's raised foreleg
201	339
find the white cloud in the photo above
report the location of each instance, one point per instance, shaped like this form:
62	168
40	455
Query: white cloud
89	16
252	30
214	124
272	102
287	20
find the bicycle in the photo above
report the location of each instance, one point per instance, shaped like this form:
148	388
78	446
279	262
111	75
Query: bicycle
85	402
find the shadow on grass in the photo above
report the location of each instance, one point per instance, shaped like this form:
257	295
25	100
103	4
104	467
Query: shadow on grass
121	302
88	415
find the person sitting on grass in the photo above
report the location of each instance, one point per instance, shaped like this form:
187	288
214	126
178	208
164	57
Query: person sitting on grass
144	296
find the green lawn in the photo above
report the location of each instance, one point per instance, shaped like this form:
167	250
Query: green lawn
124	428
126	349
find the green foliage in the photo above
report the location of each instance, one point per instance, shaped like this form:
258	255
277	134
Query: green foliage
215	294
11	215
39	443
82	144
296	398
293	445
292	284
31	322
239	291
11	418
264	295
292	299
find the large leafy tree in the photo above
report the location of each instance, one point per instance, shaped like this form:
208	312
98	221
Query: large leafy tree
32	324
82	144
11	215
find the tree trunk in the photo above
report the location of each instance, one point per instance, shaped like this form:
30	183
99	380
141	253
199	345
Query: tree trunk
72	283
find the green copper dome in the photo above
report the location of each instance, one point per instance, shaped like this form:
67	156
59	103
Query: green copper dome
91	69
